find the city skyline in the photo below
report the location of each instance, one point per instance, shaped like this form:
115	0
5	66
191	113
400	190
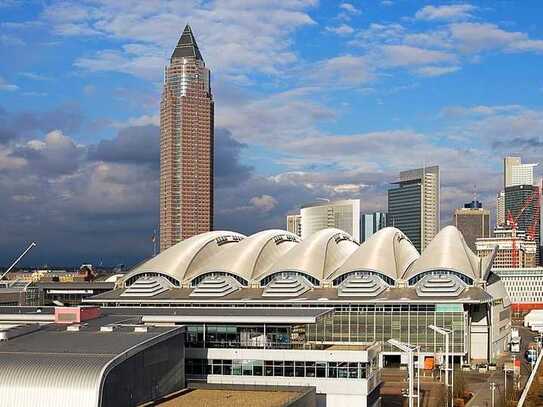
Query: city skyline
80	114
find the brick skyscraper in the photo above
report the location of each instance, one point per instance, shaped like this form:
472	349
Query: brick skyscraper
186	145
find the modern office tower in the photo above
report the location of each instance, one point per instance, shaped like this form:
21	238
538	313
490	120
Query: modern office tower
516	173
186	145
522	204
500	209
371	223
473	222
294	224
344	215
503	239
413	205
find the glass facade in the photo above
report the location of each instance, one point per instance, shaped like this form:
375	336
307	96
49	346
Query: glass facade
235	336
348	324
281	368
404	211
406	323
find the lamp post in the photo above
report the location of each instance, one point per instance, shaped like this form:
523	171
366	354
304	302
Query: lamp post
409	349
446	332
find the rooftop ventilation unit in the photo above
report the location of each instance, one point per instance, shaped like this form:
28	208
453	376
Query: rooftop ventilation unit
287	286
216	286
447	285
147	287
141	329
108	328
361	285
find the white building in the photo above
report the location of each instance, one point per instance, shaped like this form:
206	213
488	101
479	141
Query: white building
516	173
524	286
343	215
500	209
294	224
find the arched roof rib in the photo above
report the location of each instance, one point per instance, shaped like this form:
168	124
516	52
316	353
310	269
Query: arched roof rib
177	260
253	255
388	252
317	256
447	251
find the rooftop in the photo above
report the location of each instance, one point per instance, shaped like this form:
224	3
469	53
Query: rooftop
232	398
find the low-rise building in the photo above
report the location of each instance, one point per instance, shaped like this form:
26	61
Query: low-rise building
379	290
107	361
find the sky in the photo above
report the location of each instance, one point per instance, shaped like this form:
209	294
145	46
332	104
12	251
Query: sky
312	100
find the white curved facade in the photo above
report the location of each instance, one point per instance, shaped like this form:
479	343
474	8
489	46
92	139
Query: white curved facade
448	252
220	263
178	260
318	256
250	257
388	253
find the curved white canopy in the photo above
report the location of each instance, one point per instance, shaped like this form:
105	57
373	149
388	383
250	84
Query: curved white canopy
447	251
179	259
250	257
388	252
317	256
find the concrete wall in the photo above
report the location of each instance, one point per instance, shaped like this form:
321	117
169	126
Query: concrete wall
339	392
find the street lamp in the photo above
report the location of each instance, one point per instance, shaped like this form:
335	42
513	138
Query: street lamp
409	349
446	332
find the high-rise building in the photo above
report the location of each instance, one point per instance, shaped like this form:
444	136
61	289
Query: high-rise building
344	215
413	205
473	222
503	240
522	204
186	145
294	224
500	209
371	223
516	173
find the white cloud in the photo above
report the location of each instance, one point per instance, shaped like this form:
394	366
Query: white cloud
436	70
447	12
263	203
10	40
143	120
342	29
405	55
234	38
347	70
275	119
477	37
6	86
349	8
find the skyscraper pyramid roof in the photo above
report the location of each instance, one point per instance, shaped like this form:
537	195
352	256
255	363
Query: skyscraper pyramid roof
187	47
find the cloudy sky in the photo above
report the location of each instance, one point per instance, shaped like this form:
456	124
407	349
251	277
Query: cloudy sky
313	99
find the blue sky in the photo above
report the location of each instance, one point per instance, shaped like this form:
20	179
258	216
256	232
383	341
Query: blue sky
313	99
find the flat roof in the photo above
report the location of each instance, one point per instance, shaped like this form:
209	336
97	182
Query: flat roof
238	315
233	315
54	339
394	295
232	398
74	285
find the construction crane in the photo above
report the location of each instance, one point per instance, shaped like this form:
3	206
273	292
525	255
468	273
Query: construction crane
531	233
18	258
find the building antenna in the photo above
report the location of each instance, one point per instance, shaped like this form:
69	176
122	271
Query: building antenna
474	193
